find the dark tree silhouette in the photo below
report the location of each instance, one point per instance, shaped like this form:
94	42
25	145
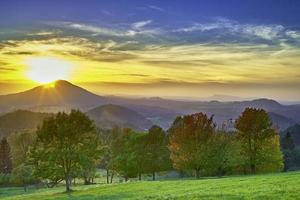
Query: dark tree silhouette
5	157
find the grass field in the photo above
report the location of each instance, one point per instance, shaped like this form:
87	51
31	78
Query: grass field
263	187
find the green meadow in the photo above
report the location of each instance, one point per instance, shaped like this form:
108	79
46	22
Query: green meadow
285	186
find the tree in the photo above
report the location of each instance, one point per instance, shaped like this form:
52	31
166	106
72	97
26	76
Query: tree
188	142
259	141
65	145
20	143
109	151
125	154
288	142
5	157
22	175
157	152
139	153
291	153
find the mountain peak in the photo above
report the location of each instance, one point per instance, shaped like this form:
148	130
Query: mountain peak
56	83
57	94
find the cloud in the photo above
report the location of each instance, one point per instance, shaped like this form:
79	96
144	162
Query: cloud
137	28
226	26
106	12
7	69
87	28
42	33
139	25
136	75
293	34
156	8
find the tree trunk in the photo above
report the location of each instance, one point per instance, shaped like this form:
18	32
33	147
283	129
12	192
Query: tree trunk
253	169
197	173
111	177
140	176
25	188
86	181
107	176
68	185
126	178
181	174
153	176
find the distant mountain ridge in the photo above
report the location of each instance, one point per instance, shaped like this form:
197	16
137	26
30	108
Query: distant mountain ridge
62	96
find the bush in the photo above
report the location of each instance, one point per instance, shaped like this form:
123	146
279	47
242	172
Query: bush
5	179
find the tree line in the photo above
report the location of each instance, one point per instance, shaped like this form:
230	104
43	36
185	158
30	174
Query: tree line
69	146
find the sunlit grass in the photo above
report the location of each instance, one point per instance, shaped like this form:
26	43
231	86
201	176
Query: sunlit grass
272	186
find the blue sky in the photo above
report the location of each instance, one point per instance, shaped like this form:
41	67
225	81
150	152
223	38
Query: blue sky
191	48
284	12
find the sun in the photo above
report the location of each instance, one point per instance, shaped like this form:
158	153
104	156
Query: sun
47	69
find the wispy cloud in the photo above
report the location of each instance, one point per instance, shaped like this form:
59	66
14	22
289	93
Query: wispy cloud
7	69
42	33
140	24
223	26
87	28
137	28
157	8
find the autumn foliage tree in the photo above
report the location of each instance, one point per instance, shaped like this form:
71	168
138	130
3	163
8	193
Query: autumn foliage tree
189	141
260	146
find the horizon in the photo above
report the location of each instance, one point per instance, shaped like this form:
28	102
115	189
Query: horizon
195	50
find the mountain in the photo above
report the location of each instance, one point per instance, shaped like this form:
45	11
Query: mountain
224	98
20	120
108	116
59	95
281	122
295	133
62	96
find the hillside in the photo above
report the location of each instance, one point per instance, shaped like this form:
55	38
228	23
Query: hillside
20	120
280	121
295	133
284	186
222	111
108	116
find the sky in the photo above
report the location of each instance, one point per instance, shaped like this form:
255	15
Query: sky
171	48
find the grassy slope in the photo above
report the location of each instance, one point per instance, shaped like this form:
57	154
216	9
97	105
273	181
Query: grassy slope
272	186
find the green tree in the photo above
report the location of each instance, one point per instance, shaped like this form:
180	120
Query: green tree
259	141
157	152
110	151
189	141
126	155
20	143
65	145
22	175
223	154
5	157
